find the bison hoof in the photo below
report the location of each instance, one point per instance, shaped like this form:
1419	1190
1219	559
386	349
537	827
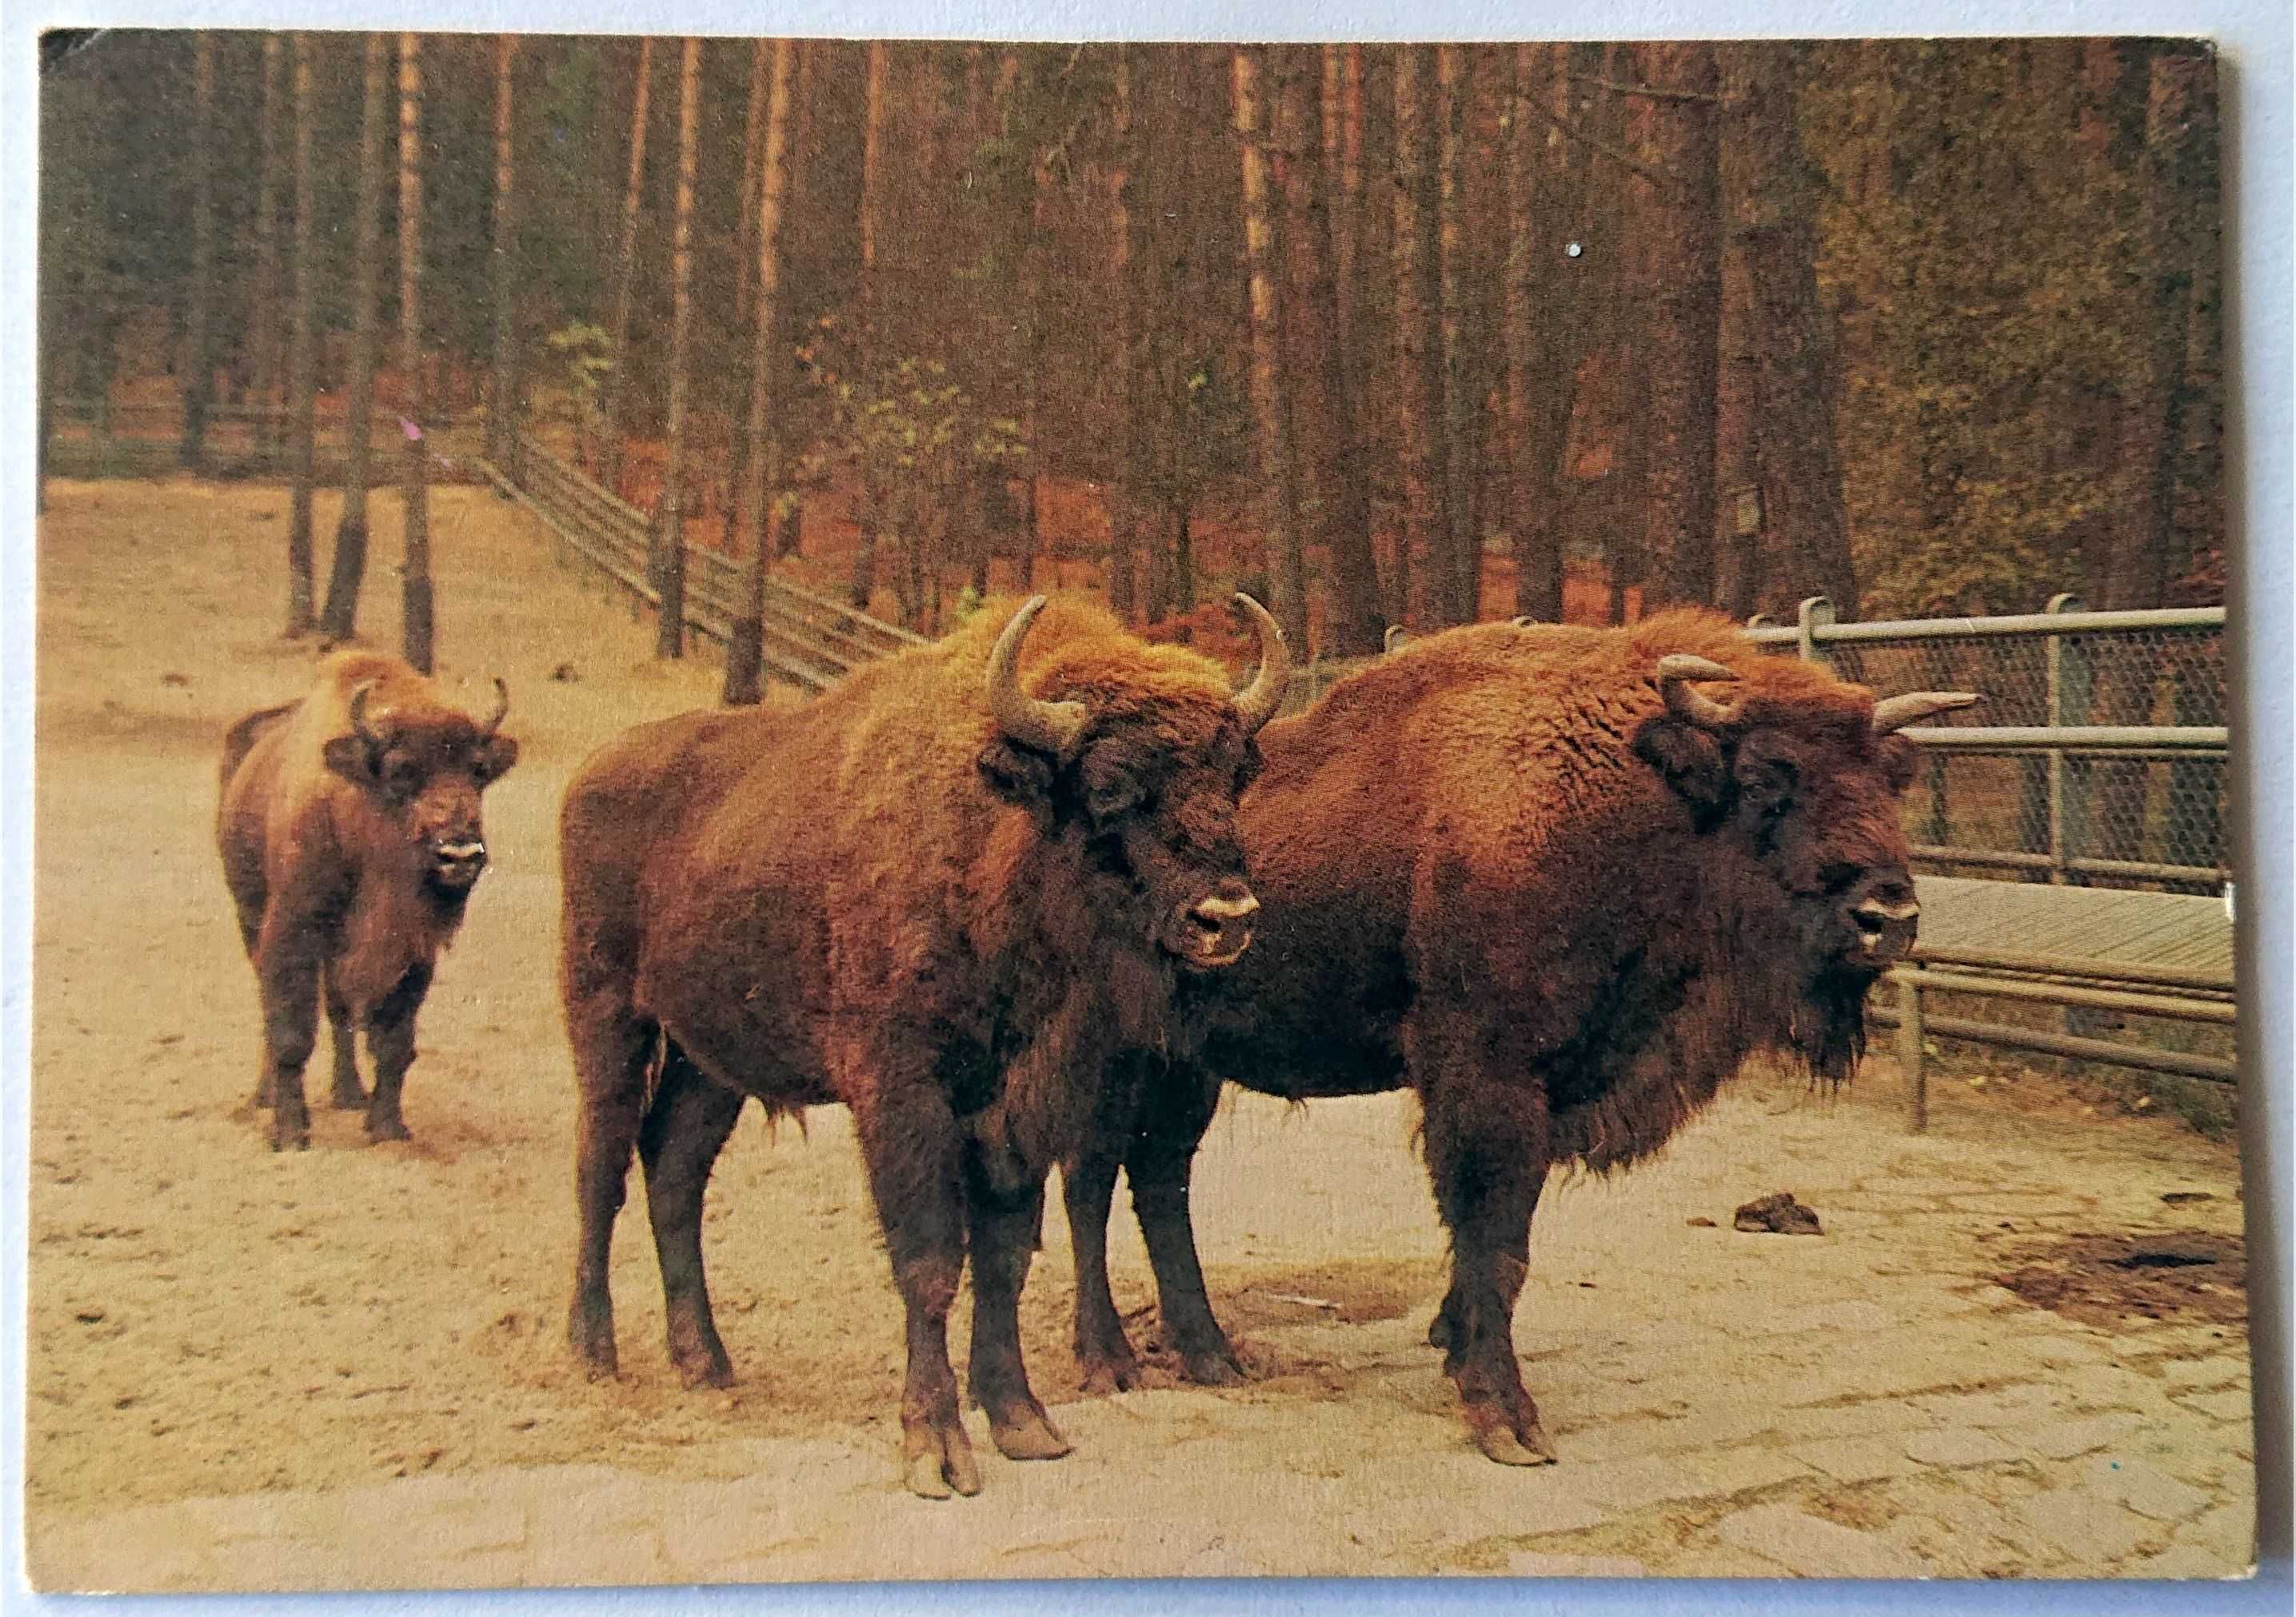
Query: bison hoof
1107	1373
696	1371
1211	1363
1027	1434
937	1460
593	1342
1524	1444
386	1129
287	1135
348	1097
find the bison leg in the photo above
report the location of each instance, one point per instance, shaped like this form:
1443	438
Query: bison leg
1485	1160
288	970
688	1126
348	1095
1103	1352
1160	1165
391	1038
610	1051
1005	1230
914	1149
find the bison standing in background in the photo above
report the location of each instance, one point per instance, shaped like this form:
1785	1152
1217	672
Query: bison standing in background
944	895
1538	875
351	838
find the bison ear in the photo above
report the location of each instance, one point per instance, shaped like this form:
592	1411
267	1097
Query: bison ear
1018	775
496	754
1691	760
1901	761
350	757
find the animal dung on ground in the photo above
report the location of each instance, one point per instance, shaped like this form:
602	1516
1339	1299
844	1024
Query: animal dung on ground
1778	1215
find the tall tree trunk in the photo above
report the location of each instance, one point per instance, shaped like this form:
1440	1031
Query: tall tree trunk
1279	473
414	469
302	611
339	619
199	351
745	252
502	408
1462	553
669	515
1325	438
1534	426
616	404
1418	340
1124	504
1035	250
262	313
1686	309
873	189
1738	547
1771	195
759	502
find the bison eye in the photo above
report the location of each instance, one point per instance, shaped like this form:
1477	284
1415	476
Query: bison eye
1106	802
1836	879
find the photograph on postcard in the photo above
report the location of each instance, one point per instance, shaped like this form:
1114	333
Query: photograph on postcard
1460	808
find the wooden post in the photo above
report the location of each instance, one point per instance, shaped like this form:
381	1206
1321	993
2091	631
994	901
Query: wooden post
1815	613
2068	704
1910	1038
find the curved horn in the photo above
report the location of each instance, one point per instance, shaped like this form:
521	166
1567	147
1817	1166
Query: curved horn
1048	727
1911	709
1524	622
1396	635
1258	702
360	693
1676	670
502	707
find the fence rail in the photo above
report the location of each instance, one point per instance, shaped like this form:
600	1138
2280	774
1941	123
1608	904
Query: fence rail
806	637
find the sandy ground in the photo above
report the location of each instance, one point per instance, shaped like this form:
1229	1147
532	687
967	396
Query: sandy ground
242	1364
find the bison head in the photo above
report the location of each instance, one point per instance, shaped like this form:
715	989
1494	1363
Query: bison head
425	769
1796	795
1146	780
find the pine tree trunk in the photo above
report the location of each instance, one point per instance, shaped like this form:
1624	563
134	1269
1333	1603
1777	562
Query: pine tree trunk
340	619
502	408
1531	318
1773	193
1035	247
745	253
263	314
745	654
872	188
1462	551
669	515
301	612
1124	504
414	469
198	349
1418	345
1686	311
616	403
1325	438
1279	473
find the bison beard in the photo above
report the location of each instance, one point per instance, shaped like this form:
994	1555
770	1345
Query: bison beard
946	895
349	828
1539	876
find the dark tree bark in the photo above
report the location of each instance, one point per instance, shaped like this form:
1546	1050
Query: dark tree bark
669	515
1685	231
1773	194
302	615
1124	504
759	502
415	611
872	195
1325	437
1270	407
1538	398
745	253
340	619
1462	438
616	403
198	350
1418	342
263	312
502	408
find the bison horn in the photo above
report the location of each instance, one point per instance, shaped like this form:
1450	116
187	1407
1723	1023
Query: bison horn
1676	671
1048	727
358	715
1396	635
502	709
1259	701
1911	709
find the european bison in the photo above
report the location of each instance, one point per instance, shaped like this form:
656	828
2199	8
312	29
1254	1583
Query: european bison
351	838
943	895
1542	878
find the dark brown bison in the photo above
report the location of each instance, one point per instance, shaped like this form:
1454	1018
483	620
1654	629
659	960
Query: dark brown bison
944	895
351	838
1542	877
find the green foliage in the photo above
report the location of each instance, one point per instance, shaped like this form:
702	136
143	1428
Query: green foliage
897	421
586	352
